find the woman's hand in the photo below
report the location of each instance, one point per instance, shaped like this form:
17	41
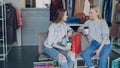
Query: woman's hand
70	34
84	32
98	52
67	47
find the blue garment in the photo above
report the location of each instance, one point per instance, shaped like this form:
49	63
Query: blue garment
73	7
73	20
54	53
107	11
90	52
68	7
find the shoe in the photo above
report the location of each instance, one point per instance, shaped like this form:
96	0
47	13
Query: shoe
92	67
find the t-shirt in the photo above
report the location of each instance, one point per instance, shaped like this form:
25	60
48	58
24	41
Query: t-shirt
97	30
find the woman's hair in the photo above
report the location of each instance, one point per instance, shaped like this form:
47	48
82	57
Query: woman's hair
59	15
96	9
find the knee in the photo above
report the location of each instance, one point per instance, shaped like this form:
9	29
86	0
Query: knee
62	58
72	55
84	54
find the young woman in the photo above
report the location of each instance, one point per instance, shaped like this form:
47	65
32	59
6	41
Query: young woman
56	43
98	35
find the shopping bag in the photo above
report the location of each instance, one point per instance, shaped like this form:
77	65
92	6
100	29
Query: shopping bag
76	43
116	63
43	64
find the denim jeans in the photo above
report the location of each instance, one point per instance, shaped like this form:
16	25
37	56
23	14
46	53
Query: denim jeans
54	53
90	52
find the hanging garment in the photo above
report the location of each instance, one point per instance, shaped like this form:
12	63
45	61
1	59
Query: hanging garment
19	18
64	4
54	6
68	7
100	4
91	1
86	7
73	8
107	11
79	6
11	23
76	44
116	16
115	28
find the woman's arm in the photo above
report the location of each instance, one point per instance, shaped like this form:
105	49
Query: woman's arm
80	30
62	48
101	46
105	37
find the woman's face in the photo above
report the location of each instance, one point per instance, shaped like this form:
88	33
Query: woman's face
65	16
93	14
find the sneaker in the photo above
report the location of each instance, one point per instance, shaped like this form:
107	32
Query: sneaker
92	67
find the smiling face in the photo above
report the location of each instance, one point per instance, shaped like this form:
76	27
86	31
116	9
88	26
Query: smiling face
65	16
61	16
94	13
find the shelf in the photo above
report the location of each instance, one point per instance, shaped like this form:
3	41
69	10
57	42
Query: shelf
74	24
1	39
117	51
1	19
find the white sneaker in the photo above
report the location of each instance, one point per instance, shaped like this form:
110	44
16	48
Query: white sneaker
92	67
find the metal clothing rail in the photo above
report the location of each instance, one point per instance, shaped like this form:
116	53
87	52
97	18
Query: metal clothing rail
3	39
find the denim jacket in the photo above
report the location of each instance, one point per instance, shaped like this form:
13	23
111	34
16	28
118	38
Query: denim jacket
57	33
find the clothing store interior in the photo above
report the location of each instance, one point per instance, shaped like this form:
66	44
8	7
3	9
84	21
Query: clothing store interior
24	28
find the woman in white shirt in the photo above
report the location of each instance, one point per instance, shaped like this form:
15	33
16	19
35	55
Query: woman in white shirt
55	44
98	35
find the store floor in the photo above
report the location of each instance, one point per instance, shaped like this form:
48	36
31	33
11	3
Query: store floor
23	57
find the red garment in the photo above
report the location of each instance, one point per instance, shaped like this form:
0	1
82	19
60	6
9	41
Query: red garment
54	6
115	28
19	18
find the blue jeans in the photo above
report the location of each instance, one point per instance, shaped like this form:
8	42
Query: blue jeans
54	53
90	52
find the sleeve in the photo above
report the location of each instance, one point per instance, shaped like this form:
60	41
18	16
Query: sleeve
105	30
69	28
50	38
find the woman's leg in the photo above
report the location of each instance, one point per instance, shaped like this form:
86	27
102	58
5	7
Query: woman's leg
70	56
55	54
71	59
90	52
104	55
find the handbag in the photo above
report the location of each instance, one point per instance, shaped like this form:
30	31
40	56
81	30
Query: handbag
76	44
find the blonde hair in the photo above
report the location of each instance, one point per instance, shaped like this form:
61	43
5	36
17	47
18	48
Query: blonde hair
59	15
96	9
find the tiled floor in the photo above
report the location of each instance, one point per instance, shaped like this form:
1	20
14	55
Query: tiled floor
22	57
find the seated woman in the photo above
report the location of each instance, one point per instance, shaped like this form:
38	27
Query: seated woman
55	44
98	35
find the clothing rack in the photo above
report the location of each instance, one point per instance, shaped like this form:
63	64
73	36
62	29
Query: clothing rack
4	49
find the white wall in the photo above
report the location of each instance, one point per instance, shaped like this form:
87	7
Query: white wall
35	20
41	3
